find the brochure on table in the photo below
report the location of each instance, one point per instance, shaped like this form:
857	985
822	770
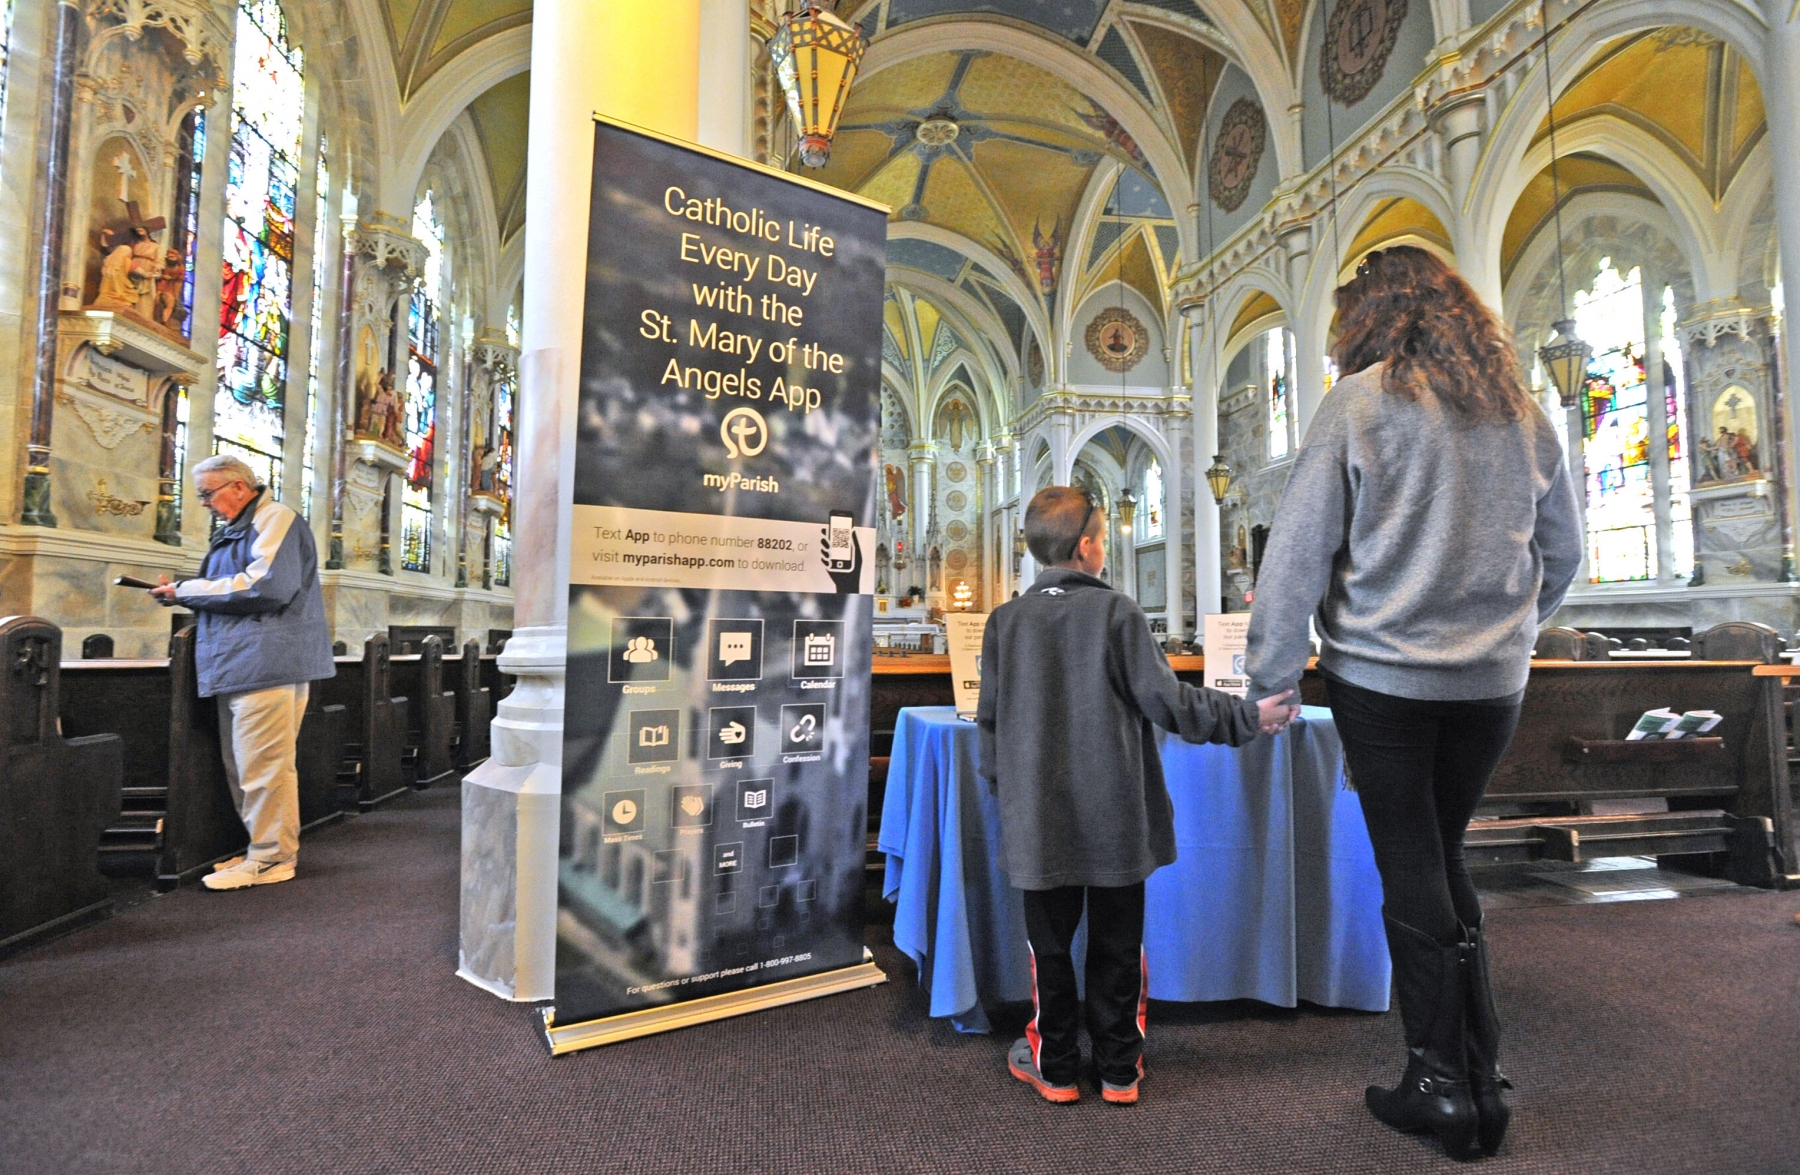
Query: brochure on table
962	636
1226	642
716	739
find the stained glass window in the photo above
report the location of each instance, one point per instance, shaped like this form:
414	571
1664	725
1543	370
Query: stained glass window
503	478
1615	418
321	258
1152	507
1675	416
1277	392
421	392
192	146
256	301
6	7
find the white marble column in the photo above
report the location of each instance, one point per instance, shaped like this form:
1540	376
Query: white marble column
921	457
1208	583
640	63
1173	479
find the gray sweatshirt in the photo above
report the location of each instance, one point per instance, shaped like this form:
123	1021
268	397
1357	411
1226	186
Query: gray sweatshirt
1428	550
1071	682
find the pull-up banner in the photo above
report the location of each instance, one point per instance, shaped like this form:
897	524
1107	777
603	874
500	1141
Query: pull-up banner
716	736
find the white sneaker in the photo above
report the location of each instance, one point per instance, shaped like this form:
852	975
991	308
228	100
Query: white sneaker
248	873
229	863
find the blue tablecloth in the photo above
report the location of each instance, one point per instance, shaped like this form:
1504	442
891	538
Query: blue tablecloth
1273	897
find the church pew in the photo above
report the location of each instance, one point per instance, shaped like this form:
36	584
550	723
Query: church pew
57	795
431	710
178	816
1572	788
474	707
1557	792
374	719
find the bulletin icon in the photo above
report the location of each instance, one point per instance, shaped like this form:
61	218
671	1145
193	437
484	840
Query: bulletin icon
818	648
642	648
654	736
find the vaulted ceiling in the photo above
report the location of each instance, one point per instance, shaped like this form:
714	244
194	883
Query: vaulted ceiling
426	35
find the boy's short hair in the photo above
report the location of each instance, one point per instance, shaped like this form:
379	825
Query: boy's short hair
1055	520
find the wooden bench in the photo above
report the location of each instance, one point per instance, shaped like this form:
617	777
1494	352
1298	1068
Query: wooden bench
431	710
376	722
57	795
474	708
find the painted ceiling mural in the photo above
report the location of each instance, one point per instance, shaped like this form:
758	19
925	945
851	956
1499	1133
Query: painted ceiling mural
988	147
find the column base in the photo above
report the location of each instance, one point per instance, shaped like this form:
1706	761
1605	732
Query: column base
511	812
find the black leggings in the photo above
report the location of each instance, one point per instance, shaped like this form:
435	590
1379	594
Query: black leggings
1419	769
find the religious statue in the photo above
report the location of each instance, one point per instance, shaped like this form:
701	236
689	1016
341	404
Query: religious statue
485	461
132	262
169	310
384	413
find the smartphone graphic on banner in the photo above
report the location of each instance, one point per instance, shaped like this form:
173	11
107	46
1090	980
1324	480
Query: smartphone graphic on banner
843	554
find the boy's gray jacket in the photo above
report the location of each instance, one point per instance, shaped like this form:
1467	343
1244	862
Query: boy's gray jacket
1071	681
261	612
1430	549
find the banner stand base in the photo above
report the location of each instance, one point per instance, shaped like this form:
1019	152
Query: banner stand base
569	1038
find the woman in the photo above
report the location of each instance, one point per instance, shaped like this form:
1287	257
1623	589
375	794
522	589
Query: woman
1429	527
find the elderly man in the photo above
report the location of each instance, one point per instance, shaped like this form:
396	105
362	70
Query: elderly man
262	639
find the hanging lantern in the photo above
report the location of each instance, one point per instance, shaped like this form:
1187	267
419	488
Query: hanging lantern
816	56
1566	360
1127	510
1218	477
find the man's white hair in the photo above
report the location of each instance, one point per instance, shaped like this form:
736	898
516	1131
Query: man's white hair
227	466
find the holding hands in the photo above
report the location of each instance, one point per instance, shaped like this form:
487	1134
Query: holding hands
1274	713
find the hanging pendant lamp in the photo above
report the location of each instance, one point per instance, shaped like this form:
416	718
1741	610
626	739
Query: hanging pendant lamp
1565	358
816	56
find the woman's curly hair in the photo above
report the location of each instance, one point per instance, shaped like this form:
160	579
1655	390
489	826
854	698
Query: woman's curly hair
1409	309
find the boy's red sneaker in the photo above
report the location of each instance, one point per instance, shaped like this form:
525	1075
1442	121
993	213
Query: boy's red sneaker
1119	1095
1024	1066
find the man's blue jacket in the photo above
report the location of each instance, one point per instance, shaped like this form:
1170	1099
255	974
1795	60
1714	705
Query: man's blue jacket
261	612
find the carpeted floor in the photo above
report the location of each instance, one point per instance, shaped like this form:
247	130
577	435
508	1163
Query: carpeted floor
317	1026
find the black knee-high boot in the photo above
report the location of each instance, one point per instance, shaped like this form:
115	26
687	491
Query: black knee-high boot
1487	1085
1433	1093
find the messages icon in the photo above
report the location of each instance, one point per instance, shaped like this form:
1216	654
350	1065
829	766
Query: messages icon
734	650
734	647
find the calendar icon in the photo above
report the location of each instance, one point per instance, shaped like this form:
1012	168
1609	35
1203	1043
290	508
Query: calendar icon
820	648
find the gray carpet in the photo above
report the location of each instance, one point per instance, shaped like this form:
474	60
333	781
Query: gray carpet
317	1026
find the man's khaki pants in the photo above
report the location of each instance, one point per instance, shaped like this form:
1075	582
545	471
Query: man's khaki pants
258	731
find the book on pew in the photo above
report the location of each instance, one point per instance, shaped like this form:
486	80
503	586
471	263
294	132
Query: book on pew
1694	722
1653	724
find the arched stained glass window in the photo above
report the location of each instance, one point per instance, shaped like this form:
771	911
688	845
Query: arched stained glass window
1151	511
1278	392
422	317
1615	419
1675	420
320	259
6	7
503	478
191	145
256	301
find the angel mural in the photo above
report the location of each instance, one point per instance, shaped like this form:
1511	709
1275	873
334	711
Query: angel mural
1047	254
956	419
896	491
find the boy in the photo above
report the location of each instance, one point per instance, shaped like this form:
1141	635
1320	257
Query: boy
1071	683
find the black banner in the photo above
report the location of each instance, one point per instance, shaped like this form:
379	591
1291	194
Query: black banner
715	755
